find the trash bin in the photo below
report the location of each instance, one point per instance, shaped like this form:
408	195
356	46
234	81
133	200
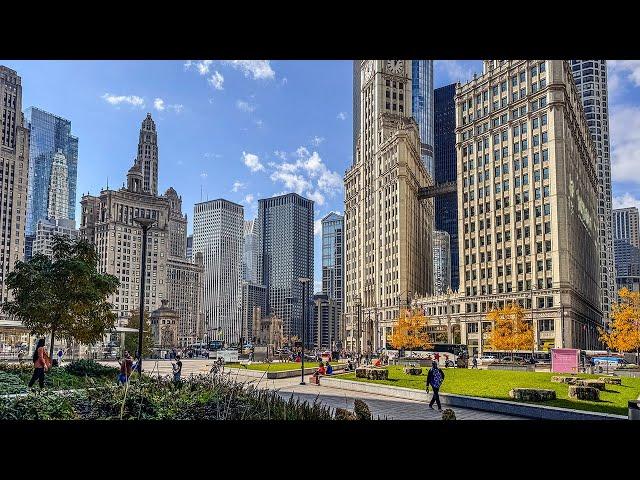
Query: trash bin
634	409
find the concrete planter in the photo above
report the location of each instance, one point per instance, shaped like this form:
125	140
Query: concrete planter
532	394
584	393
565	379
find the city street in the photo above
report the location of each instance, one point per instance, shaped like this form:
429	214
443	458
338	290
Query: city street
380	406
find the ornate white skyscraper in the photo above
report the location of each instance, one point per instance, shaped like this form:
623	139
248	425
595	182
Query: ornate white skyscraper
388	229
218	227
58	206
148	155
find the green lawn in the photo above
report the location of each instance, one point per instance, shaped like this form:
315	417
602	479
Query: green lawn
276	366
497	383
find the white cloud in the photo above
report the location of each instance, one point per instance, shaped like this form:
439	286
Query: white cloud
252	161
133	100
625	145
284	81
317	140
630	69
342	116
245	106
281	155
204	175
237	185
259	123
202	66
317	286
316	196
256	69
317	227
296	183
216	80
453	70
626	200
248	199
211	100
308	175
159	105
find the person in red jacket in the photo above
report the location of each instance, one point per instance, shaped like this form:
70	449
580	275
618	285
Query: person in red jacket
40	364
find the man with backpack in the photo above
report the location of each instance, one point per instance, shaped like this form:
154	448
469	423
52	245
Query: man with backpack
435	377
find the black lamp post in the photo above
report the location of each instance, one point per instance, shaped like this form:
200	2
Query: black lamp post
145	224
304	281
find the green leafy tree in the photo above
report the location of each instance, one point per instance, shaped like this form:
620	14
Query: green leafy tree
131	338
64	295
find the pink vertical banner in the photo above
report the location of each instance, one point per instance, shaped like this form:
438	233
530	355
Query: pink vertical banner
565	360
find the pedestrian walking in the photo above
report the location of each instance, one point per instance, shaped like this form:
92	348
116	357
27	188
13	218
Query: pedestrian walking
41	363
437	357
126	367
435	377
177	369
474	362
60	354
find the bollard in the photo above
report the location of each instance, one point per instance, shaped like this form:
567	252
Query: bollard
634	409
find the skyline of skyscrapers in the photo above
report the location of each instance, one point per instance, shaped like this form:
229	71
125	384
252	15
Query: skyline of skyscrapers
626	243
590	78
49	135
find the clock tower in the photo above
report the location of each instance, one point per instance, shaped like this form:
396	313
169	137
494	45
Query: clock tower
388	230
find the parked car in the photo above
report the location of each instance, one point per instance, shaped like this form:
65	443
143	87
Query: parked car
513	359
487	359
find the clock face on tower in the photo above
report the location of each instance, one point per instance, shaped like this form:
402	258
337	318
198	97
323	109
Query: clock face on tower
395	66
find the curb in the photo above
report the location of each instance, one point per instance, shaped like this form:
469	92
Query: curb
538	412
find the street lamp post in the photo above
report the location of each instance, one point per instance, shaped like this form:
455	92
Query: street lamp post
145	224
304	281
358	313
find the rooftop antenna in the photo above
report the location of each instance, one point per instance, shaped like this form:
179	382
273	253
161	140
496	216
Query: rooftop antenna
107	182
200	192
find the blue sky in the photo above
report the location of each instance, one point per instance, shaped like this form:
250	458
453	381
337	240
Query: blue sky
244	130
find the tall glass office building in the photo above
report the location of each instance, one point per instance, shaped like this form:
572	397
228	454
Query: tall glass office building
421	106
48	134
446	218
332	257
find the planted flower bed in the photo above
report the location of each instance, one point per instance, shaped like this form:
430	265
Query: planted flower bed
198	398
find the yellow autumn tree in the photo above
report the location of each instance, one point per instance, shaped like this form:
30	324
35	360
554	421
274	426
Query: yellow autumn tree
624	335
410	331
510	330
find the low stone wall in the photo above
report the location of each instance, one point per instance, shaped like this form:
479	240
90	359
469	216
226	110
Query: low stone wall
611	380
517	368
532	394
281	374
412	370
599	384
584	393
372	373
505	407
565	379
